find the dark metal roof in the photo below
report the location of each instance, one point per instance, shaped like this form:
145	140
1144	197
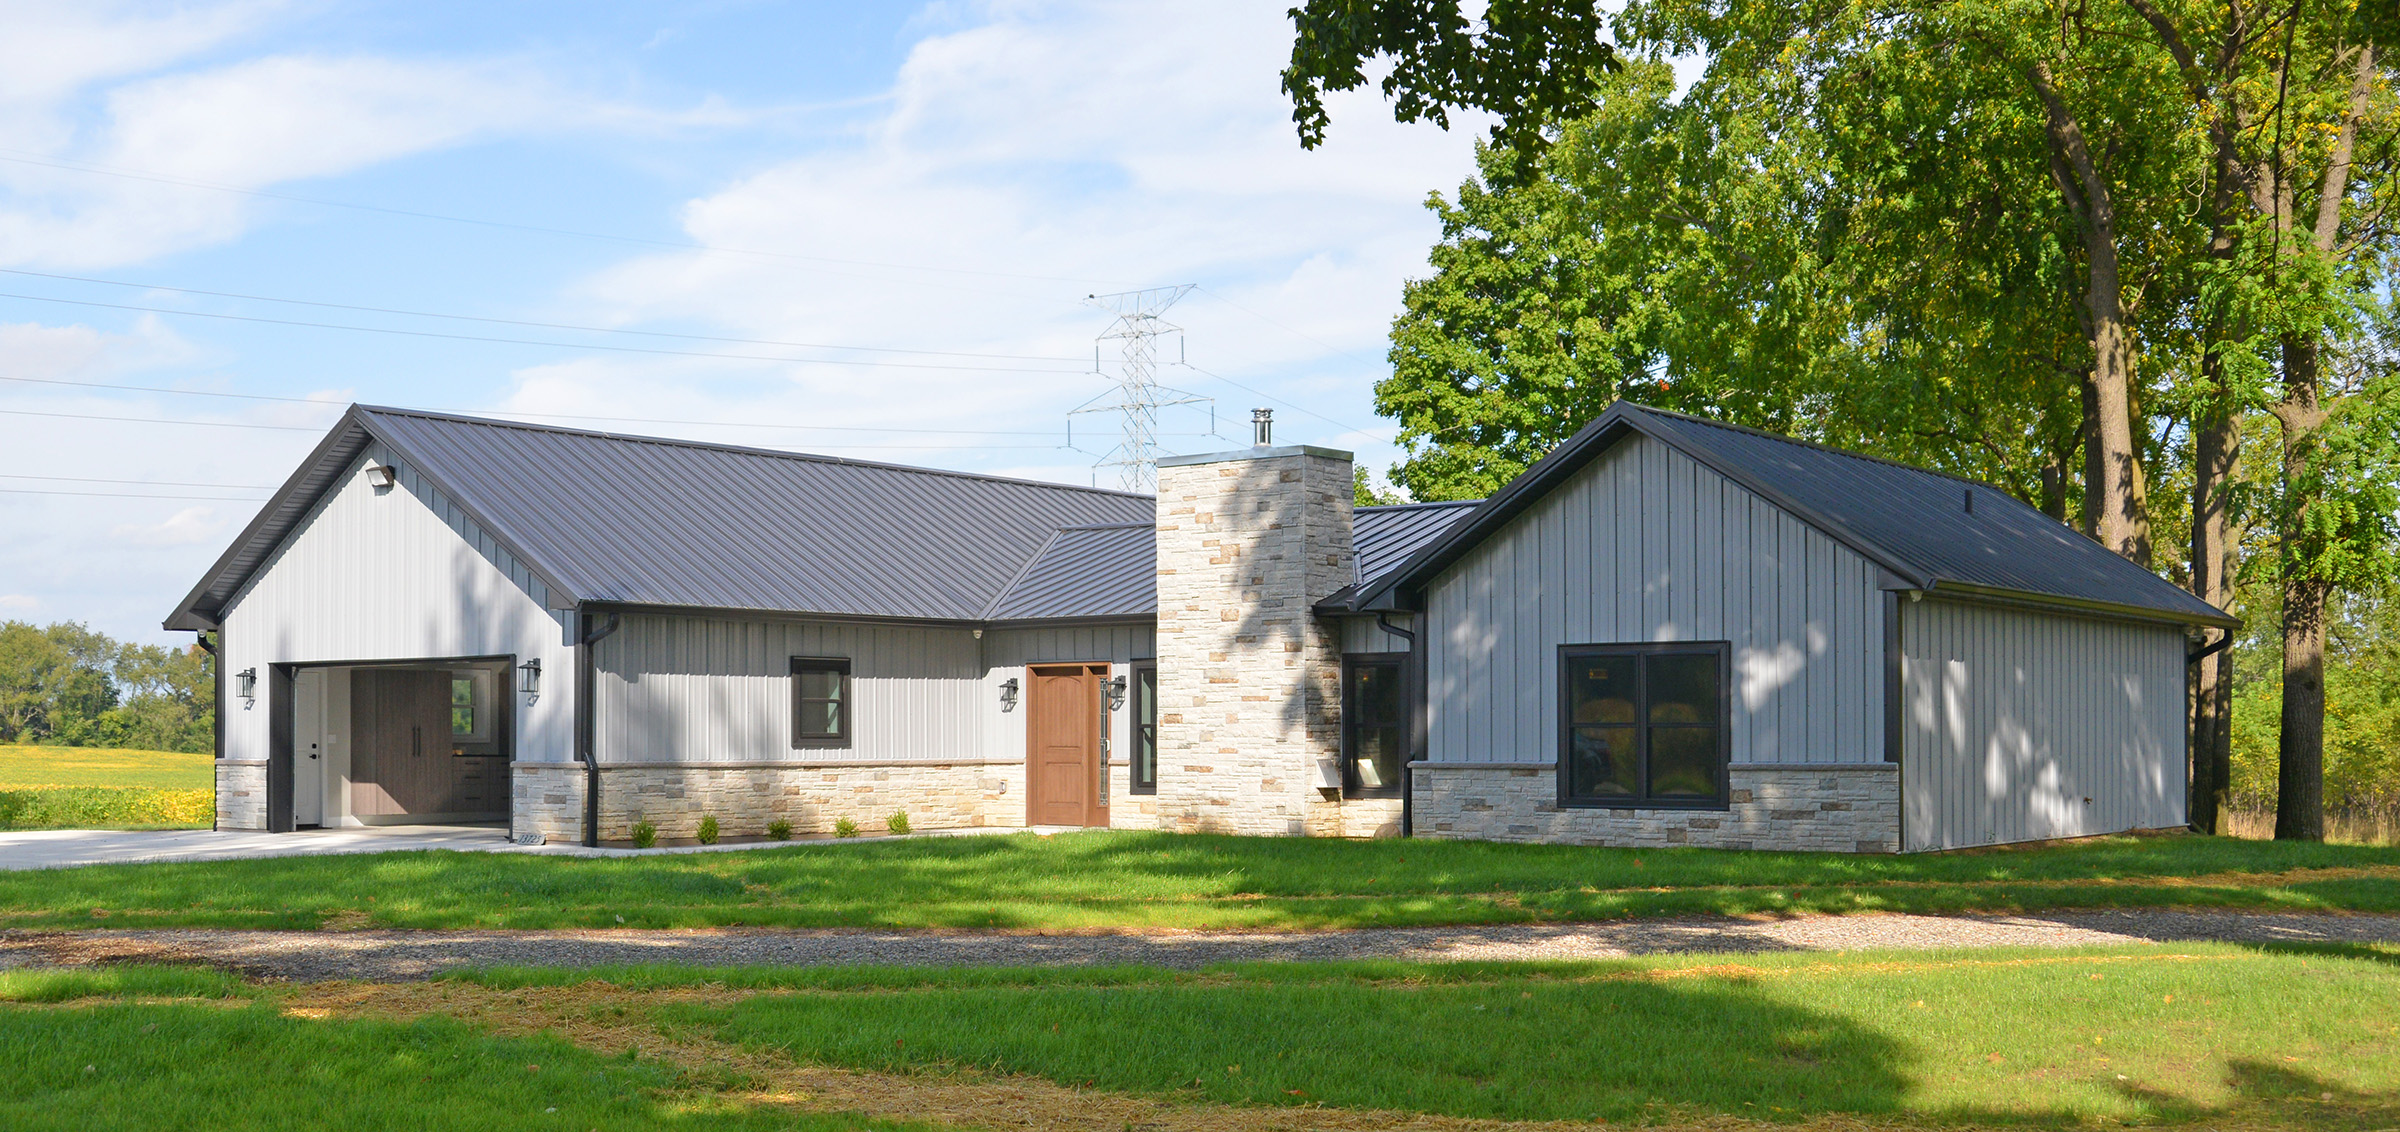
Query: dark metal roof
1912	522
641	520
1107	571
1384	537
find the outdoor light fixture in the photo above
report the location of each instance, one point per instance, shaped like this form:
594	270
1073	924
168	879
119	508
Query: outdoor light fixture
1008	694
1116	693
529	679
381	475
245	684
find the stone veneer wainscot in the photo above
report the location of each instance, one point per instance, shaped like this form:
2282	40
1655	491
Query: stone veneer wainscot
746	797
1831	807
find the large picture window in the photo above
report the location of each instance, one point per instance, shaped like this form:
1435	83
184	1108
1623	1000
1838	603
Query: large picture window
1643	725
1374	725
820	702
1143	775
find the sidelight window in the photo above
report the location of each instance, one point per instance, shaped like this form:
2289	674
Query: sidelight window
1374	725
1643	725
1143	777
820	702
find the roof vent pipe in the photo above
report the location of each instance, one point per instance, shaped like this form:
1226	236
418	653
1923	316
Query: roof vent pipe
1262	427
1970	501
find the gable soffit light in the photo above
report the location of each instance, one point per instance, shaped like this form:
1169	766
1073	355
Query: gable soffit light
381	476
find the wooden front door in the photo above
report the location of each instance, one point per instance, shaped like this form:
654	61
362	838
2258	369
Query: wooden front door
1063	745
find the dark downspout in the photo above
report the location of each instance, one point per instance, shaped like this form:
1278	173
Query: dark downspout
216	726
1416	723
585	679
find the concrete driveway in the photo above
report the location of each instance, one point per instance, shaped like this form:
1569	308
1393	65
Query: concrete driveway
65	848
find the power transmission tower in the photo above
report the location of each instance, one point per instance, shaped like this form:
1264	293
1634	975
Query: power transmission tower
1138	395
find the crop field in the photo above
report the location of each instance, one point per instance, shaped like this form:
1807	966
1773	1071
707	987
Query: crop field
102	788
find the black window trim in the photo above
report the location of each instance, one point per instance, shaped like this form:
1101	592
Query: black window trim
1133	763
1722	650
842	739
1351	662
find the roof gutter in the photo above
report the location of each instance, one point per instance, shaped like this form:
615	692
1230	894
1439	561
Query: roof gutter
2054	603
585	679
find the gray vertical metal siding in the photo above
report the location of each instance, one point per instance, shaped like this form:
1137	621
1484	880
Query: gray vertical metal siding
2012	718
704	688
1362	634
396	575
674	688
1646	544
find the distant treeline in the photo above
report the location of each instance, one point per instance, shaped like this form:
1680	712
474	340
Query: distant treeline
68	685
2362	702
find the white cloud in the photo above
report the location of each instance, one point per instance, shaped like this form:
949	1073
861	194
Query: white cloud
20	602
190	525
54	49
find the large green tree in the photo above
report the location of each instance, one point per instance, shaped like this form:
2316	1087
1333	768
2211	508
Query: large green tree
2055	245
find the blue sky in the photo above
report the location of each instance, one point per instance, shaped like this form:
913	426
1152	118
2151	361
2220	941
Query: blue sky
907	177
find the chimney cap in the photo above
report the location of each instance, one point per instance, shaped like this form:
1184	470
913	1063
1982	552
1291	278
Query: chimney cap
1262	428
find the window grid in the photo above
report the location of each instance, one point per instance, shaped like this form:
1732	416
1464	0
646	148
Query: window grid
1588	730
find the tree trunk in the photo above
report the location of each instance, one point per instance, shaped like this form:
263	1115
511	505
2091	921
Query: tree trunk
2300	754
2114	511
2216	451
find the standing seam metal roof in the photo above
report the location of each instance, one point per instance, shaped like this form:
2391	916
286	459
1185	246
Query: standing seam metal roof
640	520
1914	522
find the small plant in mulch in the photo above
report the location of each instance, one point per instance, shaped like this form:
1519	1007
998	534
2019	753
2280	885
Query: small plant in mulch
844	827
708	829
898	822
780	829
645	835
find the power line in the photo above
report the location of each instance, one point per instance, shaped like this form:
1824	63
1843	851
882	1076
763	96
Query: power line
130	495
689	245
1278	400
524	322
547	416
320	428
141	483
532	342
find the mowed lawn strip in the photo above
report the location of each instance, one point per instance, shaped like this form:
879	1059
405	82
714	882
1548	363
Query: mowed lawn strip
228	1057
2128	1034
1102	880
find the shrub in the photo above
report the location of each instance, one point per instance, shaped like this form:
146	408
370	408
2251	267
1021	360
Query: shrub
645	835
780	829
844	827
899	822
708	829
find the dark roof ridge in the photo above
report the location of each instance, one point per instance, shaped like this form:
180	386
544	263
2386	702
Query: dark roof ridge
743	449
1418	503
1793	440
1106	526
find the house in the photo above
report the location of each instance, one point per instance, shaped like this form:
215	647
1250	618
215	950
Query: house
1669	631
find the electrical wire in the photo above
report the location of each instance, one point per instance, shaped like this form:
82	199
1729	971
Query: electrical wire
130	495
1281	401
539	325
532	342
140	483
319	429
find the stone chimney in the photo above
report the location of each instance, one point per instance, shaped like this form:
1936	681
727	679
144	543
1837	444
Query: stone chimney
1249	681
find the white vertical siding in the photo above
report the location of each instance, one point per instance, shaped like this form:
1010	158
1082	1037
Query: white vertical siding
707	688
396	574
2012	719
1646	544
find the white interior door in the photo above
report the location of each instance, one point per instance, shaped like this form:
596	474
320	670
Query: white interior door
308	747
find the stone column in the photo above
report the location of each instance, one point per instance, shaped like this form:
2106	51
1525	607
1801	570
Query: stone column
1249	680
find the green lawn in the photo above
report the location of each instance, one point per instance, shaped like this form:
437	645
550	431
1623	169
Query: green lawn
2219	1036
26	766
2116	1034
1118	880
171	1066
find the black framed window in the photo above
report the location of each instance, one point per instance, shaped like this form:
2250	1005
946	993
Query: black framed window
1374	724
1643	725
820	702
1143	774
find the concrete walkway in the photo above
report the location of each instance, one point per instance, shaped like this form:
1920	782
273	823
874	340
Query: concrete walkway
66	848
385	956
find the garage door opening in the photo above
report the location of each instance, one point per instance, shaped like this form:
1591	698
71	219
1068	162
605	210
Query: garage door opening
415	743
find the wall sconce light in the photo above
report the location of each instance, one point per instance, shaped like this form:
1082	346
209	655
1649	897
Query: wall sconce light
1116	693
245	685
1008	694
382	475
529	679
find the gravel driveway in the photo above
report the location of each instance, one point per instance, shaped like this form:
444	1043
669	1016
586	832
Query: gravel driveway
402	955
